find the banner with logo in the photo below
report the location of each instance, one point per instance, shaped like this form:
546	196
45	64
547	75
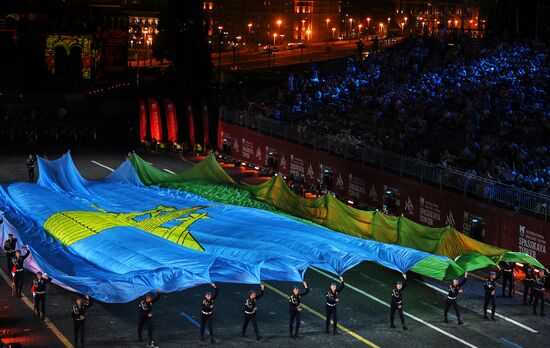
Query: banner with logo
155	120
171	120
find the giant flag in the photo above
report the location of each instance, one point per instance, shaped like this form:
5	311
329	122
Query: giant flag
116	239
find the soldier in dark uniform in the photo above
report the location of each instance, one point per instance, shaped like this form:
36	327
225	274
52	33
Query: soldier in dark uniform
17	271
207	311
146	316
507	278
538	291
490	287
39	294
295	308
528	283
250	309
78	312
9	248
454	290
30	167
330	308
397	302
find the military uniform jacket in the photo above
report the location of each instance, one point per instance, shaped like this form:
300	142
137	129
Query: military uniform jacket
539	284
454	290
490	286
529	270
397	295
9	247
79	313
145	308
40	285
332	297
295	301
18	262
250	306
208	305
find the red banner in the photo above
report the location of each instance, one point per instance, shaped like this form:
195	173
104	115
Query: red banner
205	126
191	124
142	120
171	120
368	187
154	119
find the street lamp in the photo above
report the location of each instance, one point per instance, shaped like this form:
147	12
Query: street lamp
220	28
249	27
368	22
389	19
402	27
360	26
279	24
333	30
350	26
406	19
381	27
328	21
308	32
274	38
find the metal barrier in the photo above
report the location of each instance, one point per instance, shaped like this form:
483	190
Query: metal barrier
446	178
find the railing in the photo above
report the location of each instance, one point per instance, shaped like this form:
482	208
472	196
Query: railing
474	186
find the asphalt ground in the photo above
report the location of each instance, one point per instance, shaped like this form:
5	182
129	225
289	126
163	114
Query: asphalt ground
363	309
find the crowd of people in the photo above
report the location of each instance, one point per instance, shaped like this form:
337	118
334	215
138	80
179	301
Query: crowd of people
534	289
472	105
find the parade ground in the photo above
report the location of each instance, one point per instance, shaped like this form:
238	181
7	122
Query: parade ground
363	310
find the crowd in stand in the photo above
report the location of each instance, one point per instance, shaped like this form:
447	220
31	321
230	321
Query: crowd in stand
472	105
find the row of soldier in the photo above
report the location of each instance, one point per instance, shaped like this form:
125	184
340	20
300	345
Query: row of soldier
533	289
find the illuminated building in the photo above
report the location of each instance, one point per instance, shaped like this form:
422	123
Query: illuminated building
292	21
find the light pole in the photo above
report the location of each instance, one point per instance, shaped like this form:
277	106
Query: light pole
368	23
220	28
360	26
302	28
327	21
249	27
274	38
350	26
389	19
402	28
333	31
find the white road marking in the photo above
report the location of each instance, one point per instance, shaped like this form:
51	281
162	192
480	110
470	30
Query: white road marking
102	165
168	171
510	320
384	303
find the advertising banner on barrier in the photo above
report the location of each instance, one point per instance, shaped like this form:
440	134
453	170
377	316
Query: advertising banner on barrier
370	188
142	120
171	120
154	119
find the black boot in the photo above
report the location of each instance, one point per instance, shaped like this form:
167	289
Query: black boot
393	326
460	322
404	327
